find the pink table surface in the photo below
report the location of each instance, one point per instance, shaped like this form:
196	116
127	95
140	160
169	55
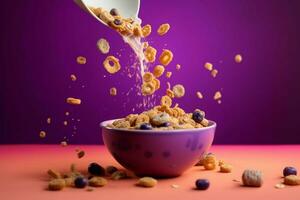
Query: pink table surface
23	174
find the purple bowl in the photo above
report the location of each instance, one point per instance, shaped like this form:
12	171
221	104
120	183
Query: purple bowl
166	153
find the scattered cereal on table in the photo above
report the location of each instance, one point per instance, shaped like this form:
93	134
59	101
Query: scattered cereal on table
158	70
150	54
89	189
111	64
97	181
81	60
279	186
178	90
146	30
56	184
210	162
199	95
73	77
217	95
120	174
147	182
103	45
53	174
175	186
214	73
80	154
292	180
113	91
96	169
166	57
225	168
168	74
208	66
252	178
238	58
73	101
111	169
163	29
42	134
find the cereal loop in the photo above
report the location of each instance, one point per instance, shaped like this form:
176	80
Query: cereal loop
163	29
81	60
148	77
115	67
178	90
208	66
148	88
113	91
73	101
150	54
146	30
156	83
158	70
166	100
103	46
166	57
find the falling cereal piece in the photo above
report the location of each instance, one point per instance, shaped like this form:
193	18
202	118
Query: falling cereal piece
49	120
64	143
113	91
81	60
67	113
178	66
148	77
80	154
73	77
163	29
148	88
103	46
42	134
199	95
150	54
166	57
238	58
168	74
217	95
111	64
175	186
178	90
146	30
279	186
73	101
158	70
219	101
65	123
208	66
145	45
214	73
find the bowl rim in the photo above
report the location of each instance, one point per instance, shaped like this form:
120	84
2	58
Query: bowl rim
103	125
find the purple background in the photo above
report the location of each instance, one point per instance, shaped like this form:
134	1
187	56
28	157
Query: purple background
41	39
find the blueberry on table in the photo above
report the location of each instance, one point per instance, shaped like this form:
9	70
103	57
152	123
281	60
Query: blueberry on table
197	116
80	182
289	171
96	169
145	126
202	184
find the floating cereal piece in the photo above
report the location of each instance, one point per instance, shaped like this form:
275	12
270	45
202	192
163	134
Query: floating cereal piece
217	95
64	143
120	174
146	30
208	66
178	66
156	83
178	90
150	54
65	123
214	73
163	29
49	120
53	174
238	58
148	77
148	88
81	60
114	67
292	180
103	45
80	154
56	184
170	93
97	181
113	91
168	74
158	70
137	31
67	113
252	178
279	186
73	101
199	95
225	168
73	77
166	57
42	134
147	182
145	45
166	100
219	101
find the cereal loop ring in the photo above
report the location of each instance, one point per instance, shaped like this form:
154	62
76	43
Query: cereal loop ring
148	77
178	90
146	30
163	29
166	57
115	67
103	46
166	100
148	88
150	54
158	70
156	83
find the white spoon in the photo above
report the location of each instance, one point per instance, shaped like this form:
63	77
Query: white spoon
127	8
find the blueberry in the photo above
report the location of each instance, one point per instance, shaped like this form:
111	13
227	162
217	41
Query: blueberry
146	126
117	22
165	124
202	184
289	171
96	170
197	116
114	12
80	182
